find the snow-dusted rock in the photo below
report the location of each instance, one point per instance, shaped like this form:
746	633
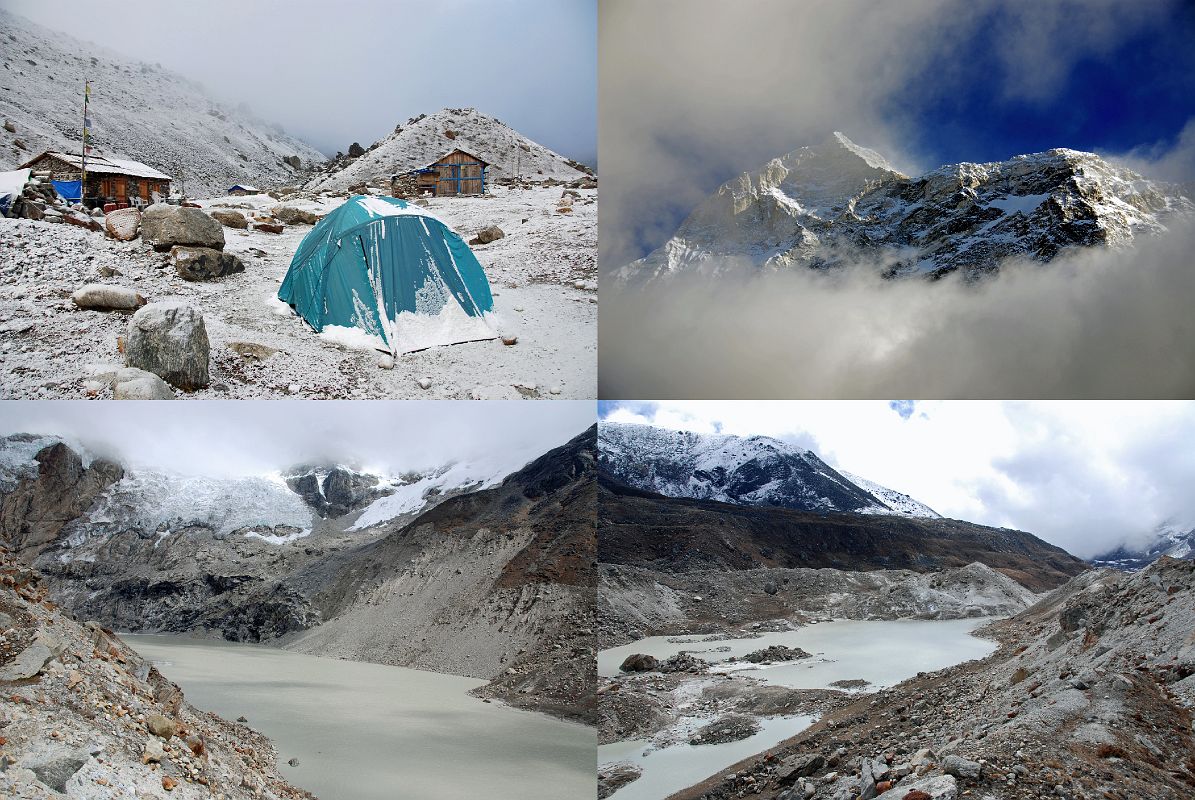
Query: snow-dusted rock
131	383
836	203
230	219
204	263
164	226
490	233
169	339
100	297
123	224
294	216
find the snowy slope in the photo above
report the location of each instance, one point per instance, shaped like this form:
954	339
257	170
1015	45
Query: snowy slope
897	501
411	496
139	111
756	470
425	139
835	203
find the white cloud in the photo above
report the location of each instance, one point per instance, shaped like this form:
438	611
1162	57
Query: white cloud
1086	476
241	437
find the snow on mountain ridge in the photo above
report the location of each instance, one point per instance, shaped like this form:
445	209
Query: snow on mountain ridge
425	139
754	470
1170	538
897	501
835	203
140	111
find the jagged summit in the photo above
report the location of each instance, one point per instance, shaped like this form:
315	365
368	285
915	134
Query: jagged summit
754	471
423	139
837	203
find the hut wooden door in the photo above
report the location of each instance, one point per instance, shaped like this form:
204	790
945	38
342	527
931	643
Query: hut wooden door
470	178
122	190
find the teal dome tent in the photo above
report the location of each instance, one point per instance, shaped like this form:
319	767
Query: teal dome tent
380	272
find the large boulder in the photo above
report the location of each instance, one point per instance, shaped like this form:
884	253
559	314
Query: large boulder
100	297
123	224
169	339
131	383
490	233
164	226
294	216
231	219
293	161
639	662
204	263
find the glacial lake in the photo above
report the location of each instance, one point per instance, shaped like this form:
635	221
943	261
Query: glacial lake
374	732
884	653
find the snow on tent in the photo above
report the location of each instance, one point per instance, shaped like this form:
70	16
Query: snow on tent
379	272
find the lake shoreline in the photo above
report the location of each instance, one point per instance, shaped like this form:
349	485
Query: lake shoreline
356	728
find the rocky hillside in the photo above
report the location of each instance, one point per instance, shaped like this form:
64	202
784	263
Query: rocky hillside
1090	695
424	139
496	584
836	202
1169	539
668	534
755	471
634	602
492	583
146	550
82	715
138	110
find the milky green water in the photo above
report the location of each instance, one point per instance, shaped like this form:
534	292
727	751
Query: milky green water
373	732
883	653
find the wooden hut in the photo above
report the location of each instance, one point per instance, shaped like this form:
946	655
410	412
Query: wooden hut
109	180
454	173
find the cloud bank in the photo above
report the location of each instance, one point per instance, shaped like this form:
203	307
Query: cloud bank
237	437
1093	324
1086	476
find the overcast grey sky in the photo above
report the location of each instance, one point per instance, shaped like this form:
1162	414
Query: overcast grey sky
237	437
335	73
1086	476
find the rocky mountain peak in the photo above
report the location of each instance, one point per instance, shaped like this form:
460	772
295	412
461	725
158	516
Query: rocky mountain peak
753	471
836	203
44	484
335	490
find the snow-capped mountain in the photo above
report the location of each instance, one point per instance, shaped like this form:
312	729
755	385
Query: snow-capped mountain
424	139
138	110
1170	539
755	471
836	202
154	503
897	501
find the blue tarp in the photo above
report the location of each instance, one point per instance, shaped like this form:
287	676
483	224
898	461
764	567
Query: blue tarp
377	270
69	190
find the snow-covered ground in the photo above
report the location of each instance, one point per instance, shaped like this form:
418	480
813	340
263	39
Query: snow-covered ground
543	274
